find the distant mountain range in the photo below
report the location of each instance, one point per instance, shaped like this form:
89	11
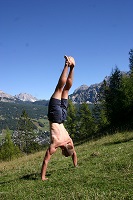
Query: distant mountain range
4	97
84	93
88	94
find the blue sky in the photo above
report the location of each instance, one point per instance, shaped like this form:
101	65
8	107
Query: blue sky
36	34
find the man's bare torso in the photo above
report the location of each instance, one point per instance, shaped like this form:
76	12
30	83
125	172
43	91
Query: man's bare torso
59	135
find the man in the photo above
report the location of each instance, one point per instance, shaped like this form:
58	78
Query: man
57	113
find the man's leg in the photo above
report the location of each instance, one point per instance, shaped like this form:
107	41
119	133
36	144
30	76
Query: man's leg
69	83
62	81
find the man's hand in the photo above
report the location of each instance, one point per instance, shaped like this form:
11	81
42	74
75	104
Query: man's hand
44	179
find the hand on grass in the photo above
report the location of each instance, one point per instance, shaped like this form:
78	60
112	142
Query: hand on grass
44	179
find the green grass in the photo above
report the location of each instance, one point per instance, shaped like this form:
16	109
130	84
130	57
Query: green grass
104	172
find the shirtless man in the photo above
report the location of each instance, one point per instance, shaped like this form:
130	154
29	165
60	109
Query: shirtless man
57	113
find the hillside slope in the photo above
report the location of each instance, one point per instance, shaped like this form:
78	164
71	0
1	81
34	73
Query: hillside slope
104	172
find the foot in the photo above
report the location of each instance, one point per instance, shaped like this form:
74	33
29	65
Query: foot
66	60
69	61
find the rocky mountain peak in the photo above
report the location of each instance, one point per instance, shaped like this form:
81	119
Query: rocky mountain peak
26	97
81	88
84	93
6	97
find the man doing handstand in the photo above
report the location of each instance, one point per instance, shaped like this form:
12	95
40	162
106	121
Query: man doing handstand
57	113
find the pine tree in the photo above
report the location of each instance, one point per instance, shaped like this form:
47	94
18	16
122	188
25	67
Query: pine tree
71	123
85	121
8	149
100	118
131	60
24	136
127	101
112	96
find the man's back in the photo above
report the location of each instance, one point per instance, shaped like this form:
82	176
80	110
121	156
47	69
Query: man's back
59	135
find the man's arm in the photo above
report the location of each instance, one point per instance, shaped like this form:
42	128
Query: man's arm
47	157
74	158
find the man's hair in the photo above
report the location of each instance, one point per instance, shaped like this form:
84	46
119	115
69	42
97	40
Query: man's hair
68	150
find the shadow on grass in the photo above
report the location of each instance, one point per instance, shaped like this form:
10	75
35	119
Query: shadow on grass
97	137
6	182
118	141
35	176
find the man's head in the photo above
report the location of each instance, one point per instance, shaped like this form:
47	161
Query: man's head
67	150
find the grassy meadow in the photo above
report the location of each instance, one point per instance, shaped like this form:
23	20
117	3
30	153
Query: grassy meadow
104	172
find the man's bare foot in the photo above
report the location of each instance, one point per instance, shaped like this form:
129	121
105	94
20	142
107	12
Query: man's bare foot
69	61
66	60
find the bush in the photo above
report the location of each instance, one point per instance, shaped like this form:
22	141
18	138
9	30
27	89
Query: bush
8	150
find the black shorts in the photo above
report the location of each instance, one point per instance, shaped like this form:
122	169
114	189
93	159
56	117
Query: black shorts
57	110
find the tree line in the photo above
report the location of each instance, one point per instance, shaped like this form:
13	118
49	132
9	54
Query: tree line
112	112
